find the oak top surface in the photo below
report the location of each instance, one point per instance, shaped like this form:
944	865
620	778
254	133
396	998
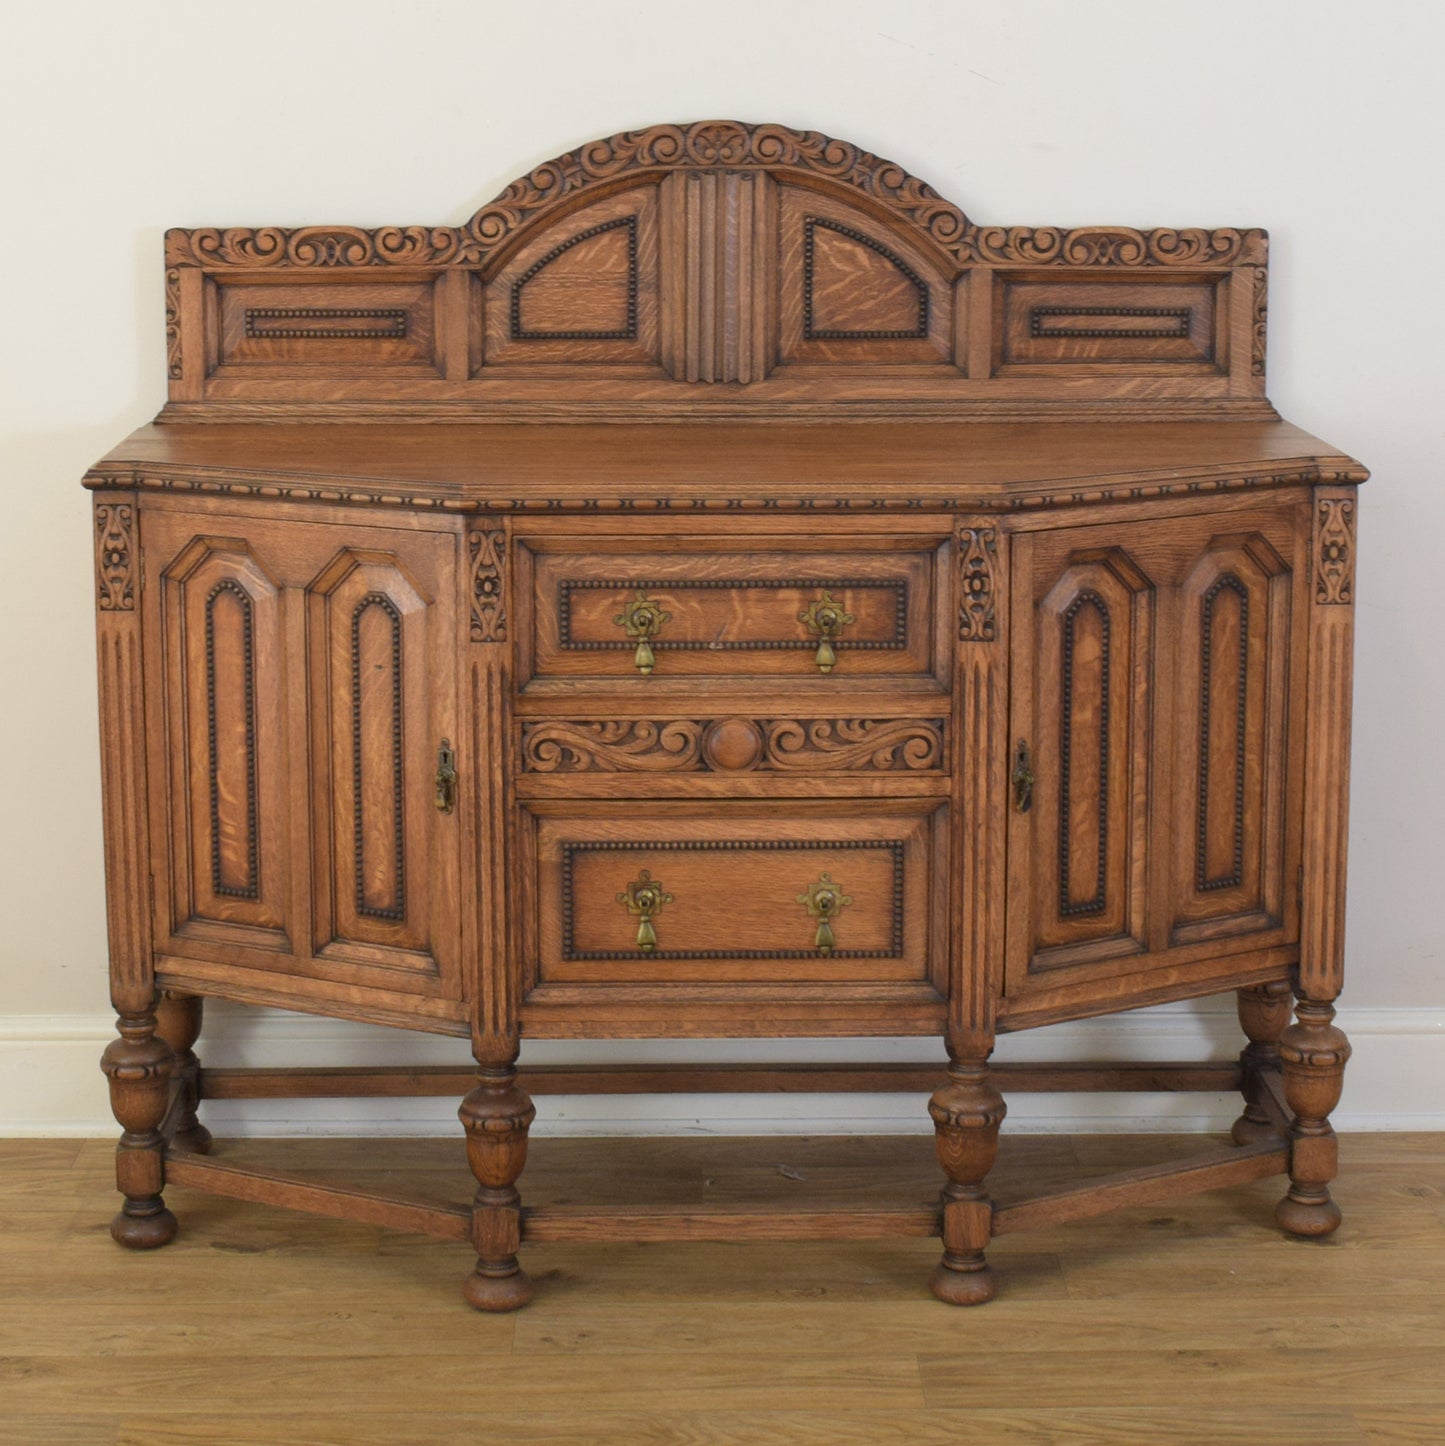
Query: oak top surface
475	463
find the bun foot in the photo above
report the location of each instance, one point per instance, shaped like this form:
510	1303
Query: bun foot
510	1290
1310	1218
972	1284
144	1229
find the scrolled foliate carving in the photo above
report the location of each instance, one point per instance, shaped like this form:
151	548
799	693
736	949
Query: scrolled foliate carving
488	551
1335	557
789	745
978	563
711	145
612	746
317	246
708	145
1261	320
871	745
1112	246
173	323
114	552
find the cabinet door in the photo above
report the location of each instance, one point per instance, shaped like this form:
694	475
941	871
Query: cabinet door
1083	724
1230	752
304	680
219	704
1152	683
380	646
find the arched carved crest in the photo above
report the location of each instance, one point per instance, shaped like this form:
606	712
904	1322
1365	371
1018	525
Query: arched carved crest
717	252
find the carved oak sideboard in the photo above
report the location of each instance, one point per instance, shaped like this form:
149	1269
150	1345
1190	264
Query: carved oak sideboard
722	590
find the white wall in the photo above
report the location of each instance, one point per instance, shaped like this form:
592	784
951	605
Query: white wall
1319	119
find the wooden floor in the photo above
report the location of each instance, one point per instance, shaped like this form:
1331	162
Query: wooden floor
1191	1322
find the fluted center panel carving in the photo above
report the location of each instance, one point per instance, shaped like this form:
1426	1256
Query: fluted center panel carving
722	239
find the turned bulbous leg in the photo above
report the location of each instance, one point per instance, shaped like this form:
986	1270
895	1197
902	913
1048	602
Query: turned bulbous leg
138	1066
967	1112
1263	1014
497	1115
178	1022
1313	1054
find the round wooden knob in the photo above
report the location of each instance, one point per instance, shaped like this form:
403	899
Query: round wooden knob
732	744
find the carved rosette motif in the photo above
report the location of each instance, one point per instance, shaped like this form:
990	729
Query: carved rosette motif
1335	560
978	556
789	745
488	552
114	551
710	145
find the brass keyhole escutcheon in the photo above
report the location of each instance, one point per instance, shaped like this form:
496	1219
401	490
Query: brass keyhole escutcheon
826	617
642	618
824	901
446	777
1023	778
644	898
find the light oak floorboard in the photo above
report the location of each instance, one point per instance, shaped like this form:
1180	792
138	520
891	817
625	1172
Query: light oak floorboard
1028	1327
1191	1321
1426	1427
822	1427
26	1430
202	1383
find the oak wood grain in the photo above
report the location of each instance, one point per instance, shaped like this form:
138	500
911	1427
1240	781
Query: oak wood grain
1147	1318
722	590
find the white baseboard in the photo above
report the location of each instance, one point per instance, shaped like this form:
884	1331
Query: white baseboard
50	1081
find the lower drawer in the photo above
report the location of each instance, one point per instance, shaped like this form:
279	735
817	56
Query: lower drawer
687	894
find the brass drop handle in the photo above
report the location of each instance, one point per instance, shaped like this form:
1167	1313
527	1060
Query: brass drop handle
642	618
446	777
824	900
827	618
1023	778
644	898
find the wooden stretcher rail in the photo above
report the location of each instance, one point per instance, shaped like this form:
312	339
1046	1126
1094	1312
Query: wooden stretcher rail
1228	1165
1271	1097
347	1082
339	1202
637	1224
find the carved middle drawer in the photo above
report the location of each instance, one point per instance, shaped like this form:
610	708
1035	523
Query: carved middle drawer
678	894
635	609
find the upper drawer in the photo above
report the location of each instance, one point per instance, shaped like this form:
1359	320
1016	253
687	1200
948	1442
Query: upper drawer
626	610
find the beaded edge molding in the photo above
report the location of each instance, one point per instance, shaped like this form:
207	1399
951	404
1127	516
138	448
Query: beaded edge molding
217	483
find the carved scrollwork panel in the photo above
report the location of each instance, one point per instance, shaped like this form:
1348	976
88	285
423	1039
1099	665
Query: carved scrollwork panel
114	557
174	368
862	744
789	745
700	146
488	552
1260	325
978	564
1335	556
612	746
